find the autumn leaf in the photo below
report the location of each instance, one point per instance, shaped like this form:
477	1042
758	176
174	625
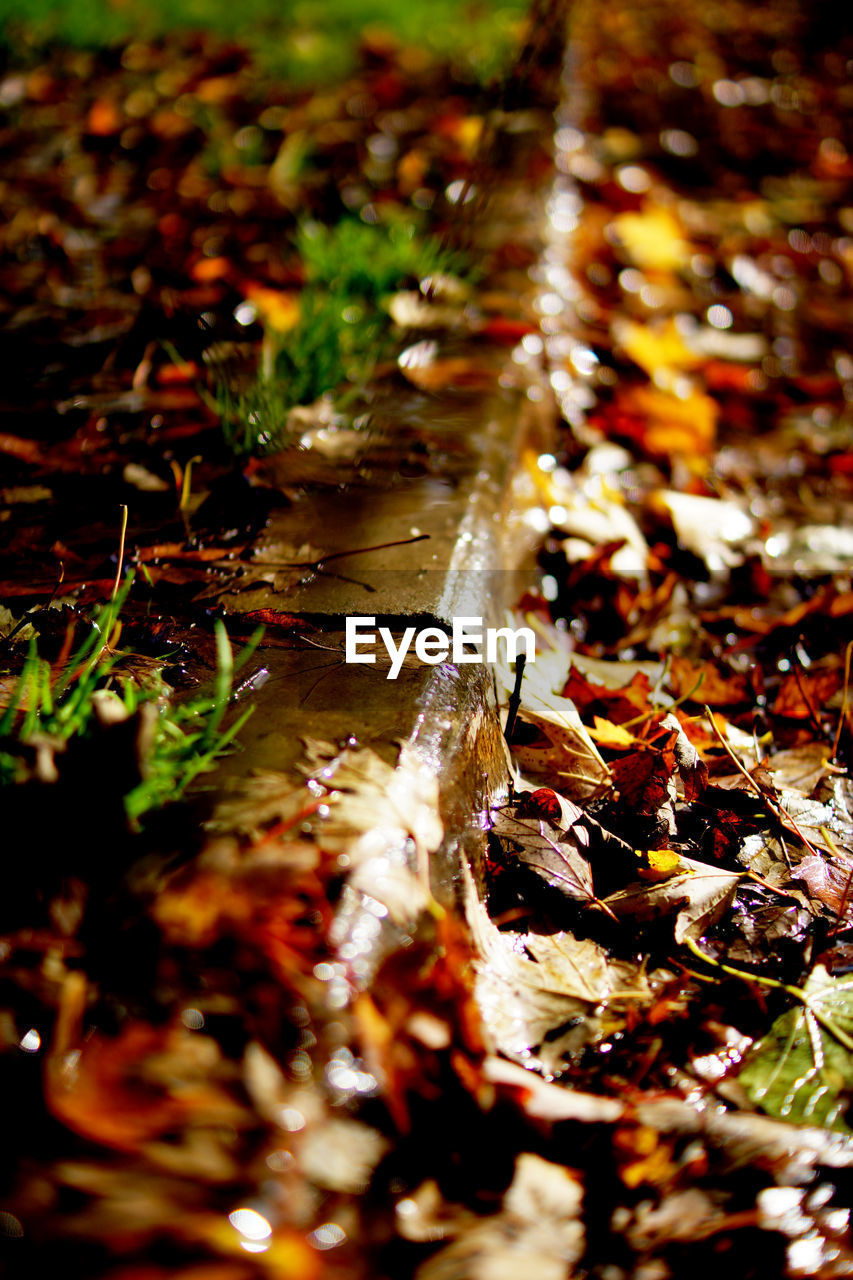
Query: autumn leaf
829	880
665	423
653	238
538	1231
698	896
655	347
128	1090
556	856
659	864
803	695
800	1071
608	734
278	309
712	528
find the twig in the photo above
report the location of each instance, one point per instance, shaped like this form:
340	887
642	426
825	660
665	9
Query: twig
515	698
813	715
323	560
120	565
797	993
848	652
778	810
765	884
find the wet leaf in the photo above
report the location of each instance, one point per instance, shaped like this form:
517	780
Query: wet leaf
376	810
800	1072
538	1231
540	996
829	880
558	857
697	895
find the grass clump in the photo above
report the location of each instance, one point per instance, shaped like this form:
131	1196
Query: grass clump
83	704
304	40
342	329
357	259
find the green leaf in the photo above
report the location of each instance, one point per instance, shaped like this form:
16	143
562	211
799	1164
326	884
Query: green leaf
801	1071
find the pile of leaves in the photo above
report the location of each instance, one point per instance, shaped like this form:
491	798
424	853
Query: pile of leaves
664	920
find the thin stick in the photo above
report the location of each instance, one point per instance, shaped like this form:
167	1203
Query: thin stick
797	992
120	565
186	482
848	652
777	809
813	715
515	697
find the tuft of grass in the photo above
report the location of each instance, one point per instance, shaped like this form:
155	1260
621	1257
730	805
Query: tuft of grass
342	330
52	708
356	259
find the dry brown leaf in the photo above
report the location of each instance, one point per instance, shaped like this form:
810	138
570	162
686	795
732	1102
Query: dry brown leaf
538	1232
698	896
557	856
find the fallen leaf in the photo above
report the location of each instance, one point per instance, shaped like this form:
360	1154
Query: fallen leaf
608	734
698	896
664	424
538	1231
653	238
376	812
655	346
829	880
556	856
709	527
127	1090
800	1072
804	695
540	996
544	1100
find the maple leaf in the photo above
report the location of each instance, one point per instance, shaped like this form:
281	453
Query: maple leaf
801	1071
540	995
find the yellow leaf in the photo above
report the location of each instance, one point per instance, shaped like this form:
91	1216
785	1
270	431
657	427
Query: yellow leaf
653	238
661	864
276	308
653	348
608	734
467	133
655	1170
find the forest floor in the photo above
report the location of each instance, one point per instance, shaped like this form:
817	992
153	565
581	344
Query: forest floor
630	1052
